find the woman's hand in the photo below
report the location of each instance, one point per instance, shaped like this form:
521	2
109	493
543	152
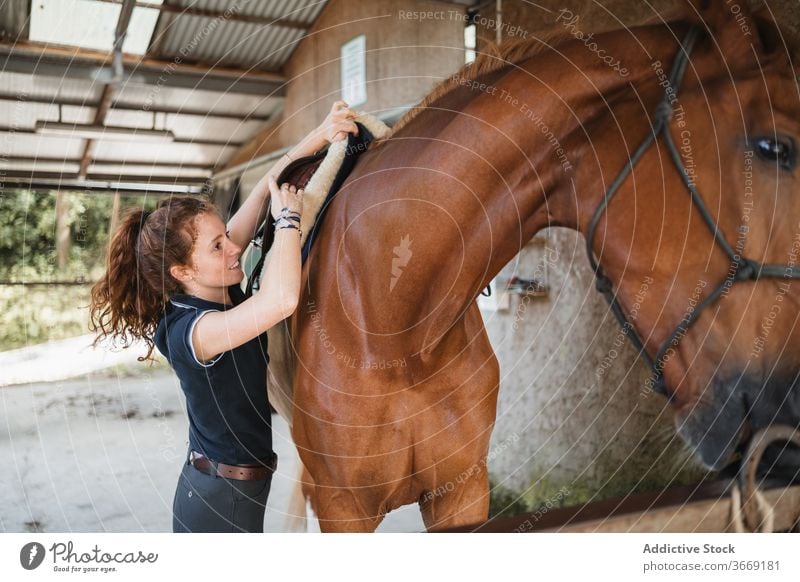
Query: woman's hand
285	196
338	123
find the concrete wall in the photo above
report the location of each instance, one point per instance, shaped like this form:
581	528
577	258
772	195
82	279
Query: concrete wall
574	421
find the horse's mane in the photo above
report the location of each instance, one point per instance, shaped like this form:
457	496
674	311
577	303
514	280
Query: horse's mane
493	58
497	57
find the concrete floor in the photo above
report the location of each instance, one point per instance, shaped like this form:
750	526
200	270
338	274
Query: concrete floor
102	453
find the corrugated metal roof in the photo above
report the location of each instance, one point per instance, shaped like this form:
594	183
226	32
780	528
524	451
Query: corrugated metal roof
35	146
213	101
177	38
22	114
49	87
57	22
233	44
190	127
145	170
177	153
230	42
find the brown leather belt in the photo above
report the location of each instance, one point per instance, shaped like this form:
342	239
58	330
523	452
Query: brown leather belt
238	472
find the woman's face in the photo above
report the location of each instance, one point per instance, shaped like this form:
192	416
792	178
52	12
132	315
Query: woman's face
215	257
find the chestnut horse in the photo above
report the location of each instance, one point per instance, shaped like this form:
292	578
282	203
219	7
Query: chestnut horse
395	381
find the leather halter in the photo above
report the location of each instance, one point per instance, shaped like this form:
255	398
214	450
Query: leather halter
745	269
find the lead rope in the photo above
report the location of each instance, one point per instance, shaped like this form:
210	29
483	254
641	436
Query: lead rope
756	514
766	513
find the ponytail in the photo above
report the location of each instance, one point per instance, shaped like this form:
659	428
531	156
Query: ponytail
129	301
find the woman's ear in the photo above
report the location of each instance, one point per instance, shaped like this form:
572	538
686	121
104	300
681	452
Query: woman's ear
181	273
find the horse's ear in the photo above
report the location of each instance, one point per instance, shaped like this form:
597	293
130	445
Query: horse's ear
769	33
732	27
780	46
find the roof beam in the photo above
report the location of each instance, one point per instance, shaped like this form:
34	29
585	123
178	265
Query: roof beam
88	65
229	15
99	119
105	188
193	141
28	175
96	162
143	108
123	21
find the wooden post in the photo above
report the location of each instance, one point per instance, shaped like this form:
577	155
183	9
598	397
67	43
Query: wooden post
63	239
114	220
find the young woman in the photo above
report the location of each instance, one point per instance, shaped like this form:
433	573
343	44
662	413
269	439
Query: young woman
172	280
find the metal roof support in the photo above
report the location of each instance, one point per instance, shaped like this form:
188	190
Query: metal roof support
99	119
134	107
83	64
193	141
123	22
106	188
96	162
32	175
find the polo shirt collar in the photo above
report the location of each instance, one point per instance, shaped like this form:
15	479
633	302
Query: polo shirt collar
180	300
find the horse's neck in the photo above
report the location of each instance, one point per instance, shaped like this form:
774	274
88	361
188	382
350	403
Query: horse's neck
533	164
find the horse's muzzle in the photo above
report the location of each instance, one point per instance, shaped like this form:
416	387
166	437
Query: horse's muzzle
718	422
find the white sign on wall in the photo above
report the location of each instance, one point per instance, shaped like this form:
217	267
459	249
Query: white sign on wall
354	71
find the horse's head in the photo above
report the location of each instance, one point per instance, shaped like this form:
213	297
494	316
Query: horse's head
726	339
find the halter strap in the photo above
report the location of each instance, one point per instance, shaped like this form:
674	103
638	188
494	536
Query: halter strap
745	269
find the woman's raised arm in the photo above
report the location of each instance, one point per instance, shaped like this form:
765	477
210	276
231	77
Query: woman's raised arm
338	123
221	331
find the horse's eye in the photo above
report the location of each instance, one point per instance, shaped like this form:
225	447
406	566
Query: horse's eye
776	150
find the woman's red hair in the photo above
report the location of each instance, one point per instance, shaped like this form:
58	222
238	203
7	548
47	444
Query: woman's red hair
129	301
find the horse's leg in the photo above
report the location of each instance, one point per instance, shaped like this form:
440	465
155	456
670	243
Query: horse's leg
341	510
368	455
466	502
296	514
458	478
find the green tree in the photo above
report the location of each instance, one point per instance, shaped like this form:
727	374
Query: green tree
27	234
33	314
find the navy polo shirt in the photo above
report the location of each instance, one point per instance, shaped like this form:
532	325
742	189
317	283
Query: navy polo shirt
226	399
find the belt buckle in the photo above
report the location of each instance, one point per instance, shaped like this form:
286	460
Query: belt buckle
212	467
